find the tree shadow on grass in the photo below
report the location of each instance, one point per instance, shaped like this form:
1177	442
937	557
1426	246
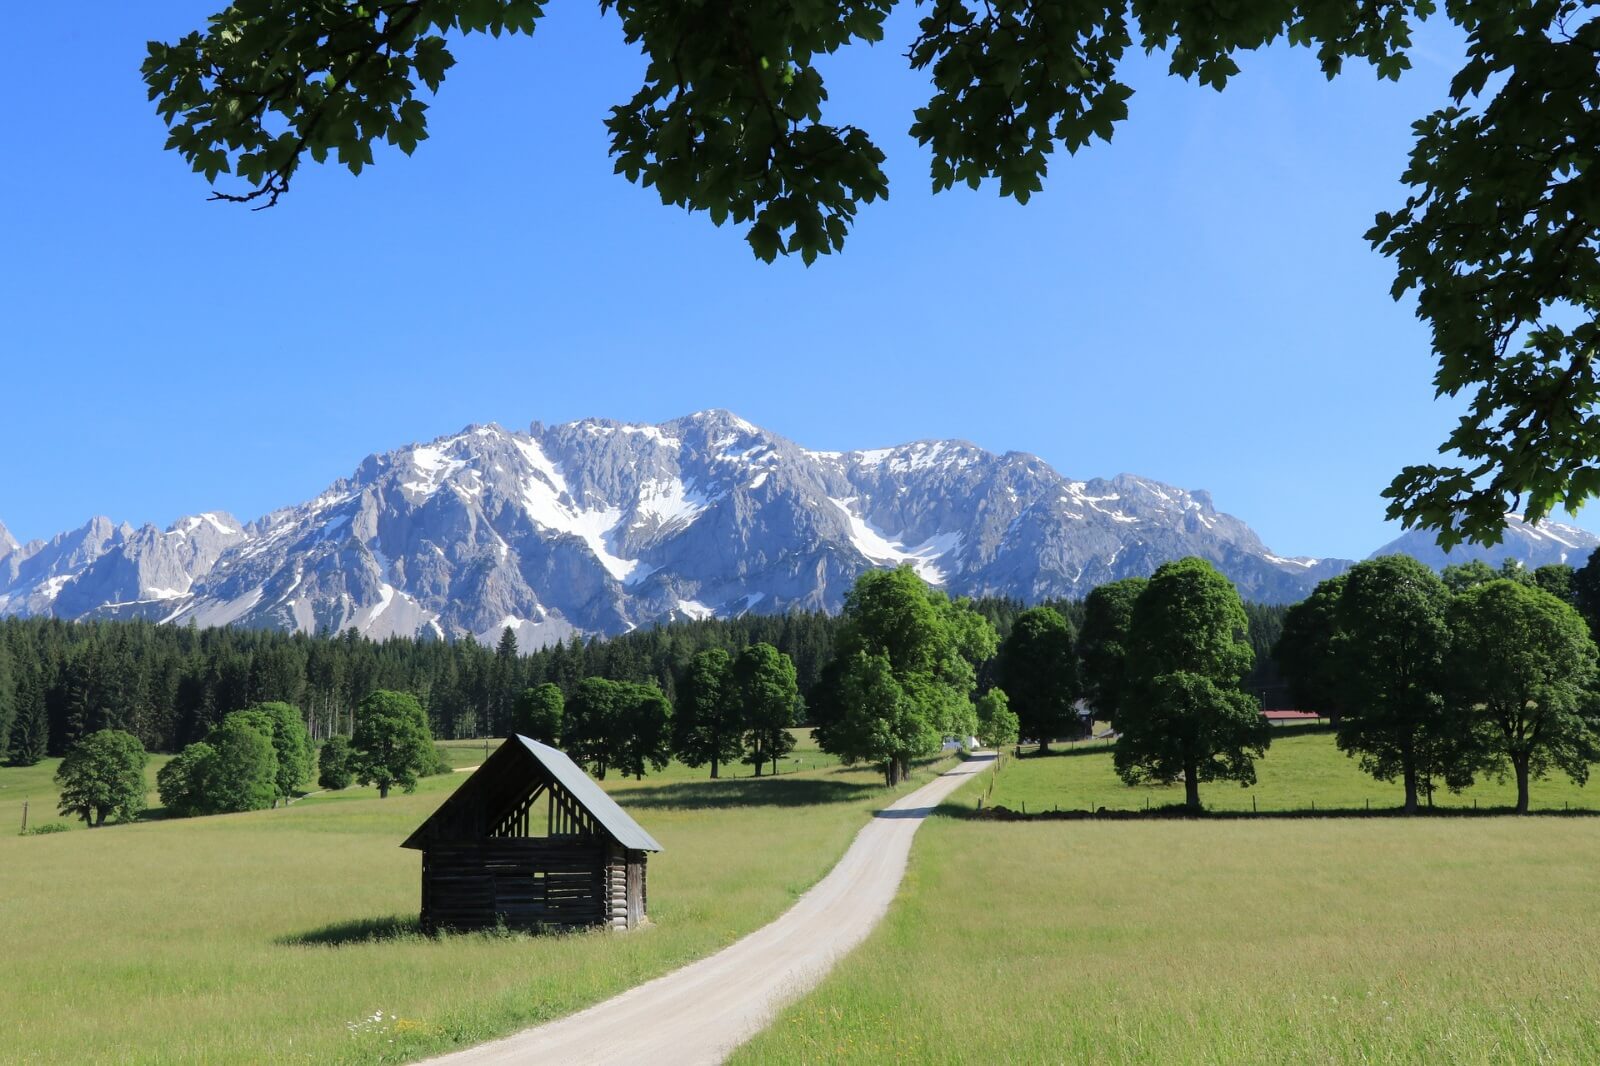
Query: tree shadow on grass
999	813
746	792
1067	748
358	931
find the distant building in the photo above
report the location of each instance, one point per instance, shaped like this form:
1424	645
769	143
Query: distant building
1276	717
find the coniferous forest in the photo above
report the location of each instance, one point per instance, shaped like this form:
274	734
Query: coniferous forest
169	686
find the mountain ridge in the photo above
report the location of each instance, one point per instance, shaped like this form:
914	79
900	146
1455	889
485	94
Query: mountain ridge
598	526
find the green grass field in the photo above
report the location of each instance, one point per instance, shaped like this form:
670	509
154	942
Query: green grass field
1338	940
36	786
1301	769
279	935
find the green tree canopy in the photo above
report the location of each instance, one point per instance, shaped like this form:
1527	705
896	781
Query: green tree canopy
243	775
1039	671
333	764
284	726
1556	579
391	744
767	695
182	781
591	723
538	713
1183	716
997	723
1307	649
102	778
1497	234
707	719
1458	577
1391	615
903	672
1103	644
641	729
1522	662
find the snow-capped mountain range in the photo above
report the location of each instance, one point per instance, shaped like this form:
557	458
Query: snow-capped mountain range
598	527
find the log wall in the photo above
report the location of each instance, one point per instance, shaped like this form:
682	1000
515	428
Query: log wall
525	884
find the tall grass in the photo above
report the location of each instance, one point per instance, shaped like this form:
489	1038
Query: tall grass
1224	942
35	785
289	935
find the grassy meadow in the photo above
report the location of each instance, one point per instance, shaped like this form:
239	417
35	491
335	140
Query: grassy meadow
281	935
1302	769
36	786
1337	940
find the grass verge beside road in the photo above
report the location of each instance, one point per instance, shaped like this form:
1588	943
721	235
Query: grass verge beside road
1328	941
289	935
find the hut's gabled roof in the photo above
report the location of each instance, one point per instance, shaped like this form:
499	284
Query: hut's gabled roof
594	799
445	823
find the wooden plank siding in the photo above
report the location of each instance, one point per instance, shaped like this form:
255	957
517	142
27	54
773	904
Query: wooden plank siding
483	867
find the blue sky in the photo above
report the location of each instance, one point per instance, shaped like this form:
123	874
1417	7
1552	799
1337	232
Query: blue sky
1193	303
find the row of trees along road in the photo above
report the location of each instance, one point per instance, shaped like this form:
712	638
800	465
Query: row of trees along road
1438	678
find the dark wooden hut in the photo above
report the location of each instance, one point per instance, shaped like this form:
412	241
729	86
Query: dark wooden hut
531	841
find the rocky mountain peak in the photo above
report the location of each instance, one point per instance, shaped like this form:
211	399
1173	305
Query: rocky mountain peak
599	526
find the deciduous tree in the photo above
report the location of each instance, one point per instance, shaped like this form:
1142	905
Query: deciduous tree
182	781
641	729
284	726
707	720
997	723
590	724
1391	659
903	672
391	744
242	774
1103	644
538	713
102	778
333	763
1522	663
1497	234
1308	650
769	699
1183	716
1039	671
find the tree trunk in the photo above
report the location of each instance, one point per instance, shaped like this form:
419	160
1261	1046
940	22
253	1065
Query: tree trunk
383	791
1410	775
1521	763
774	766
1044	745
1191	787
713	767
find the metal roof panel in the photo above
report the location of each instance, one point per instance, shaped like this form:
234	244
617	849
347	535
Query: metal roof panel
587	791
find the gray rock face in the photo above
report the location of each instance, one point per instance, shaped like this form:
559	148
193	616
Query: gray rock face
36	573
1532	546
599	527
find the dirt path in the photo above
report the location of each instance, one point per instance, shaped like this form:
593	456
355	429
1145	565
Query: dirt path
699	1013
